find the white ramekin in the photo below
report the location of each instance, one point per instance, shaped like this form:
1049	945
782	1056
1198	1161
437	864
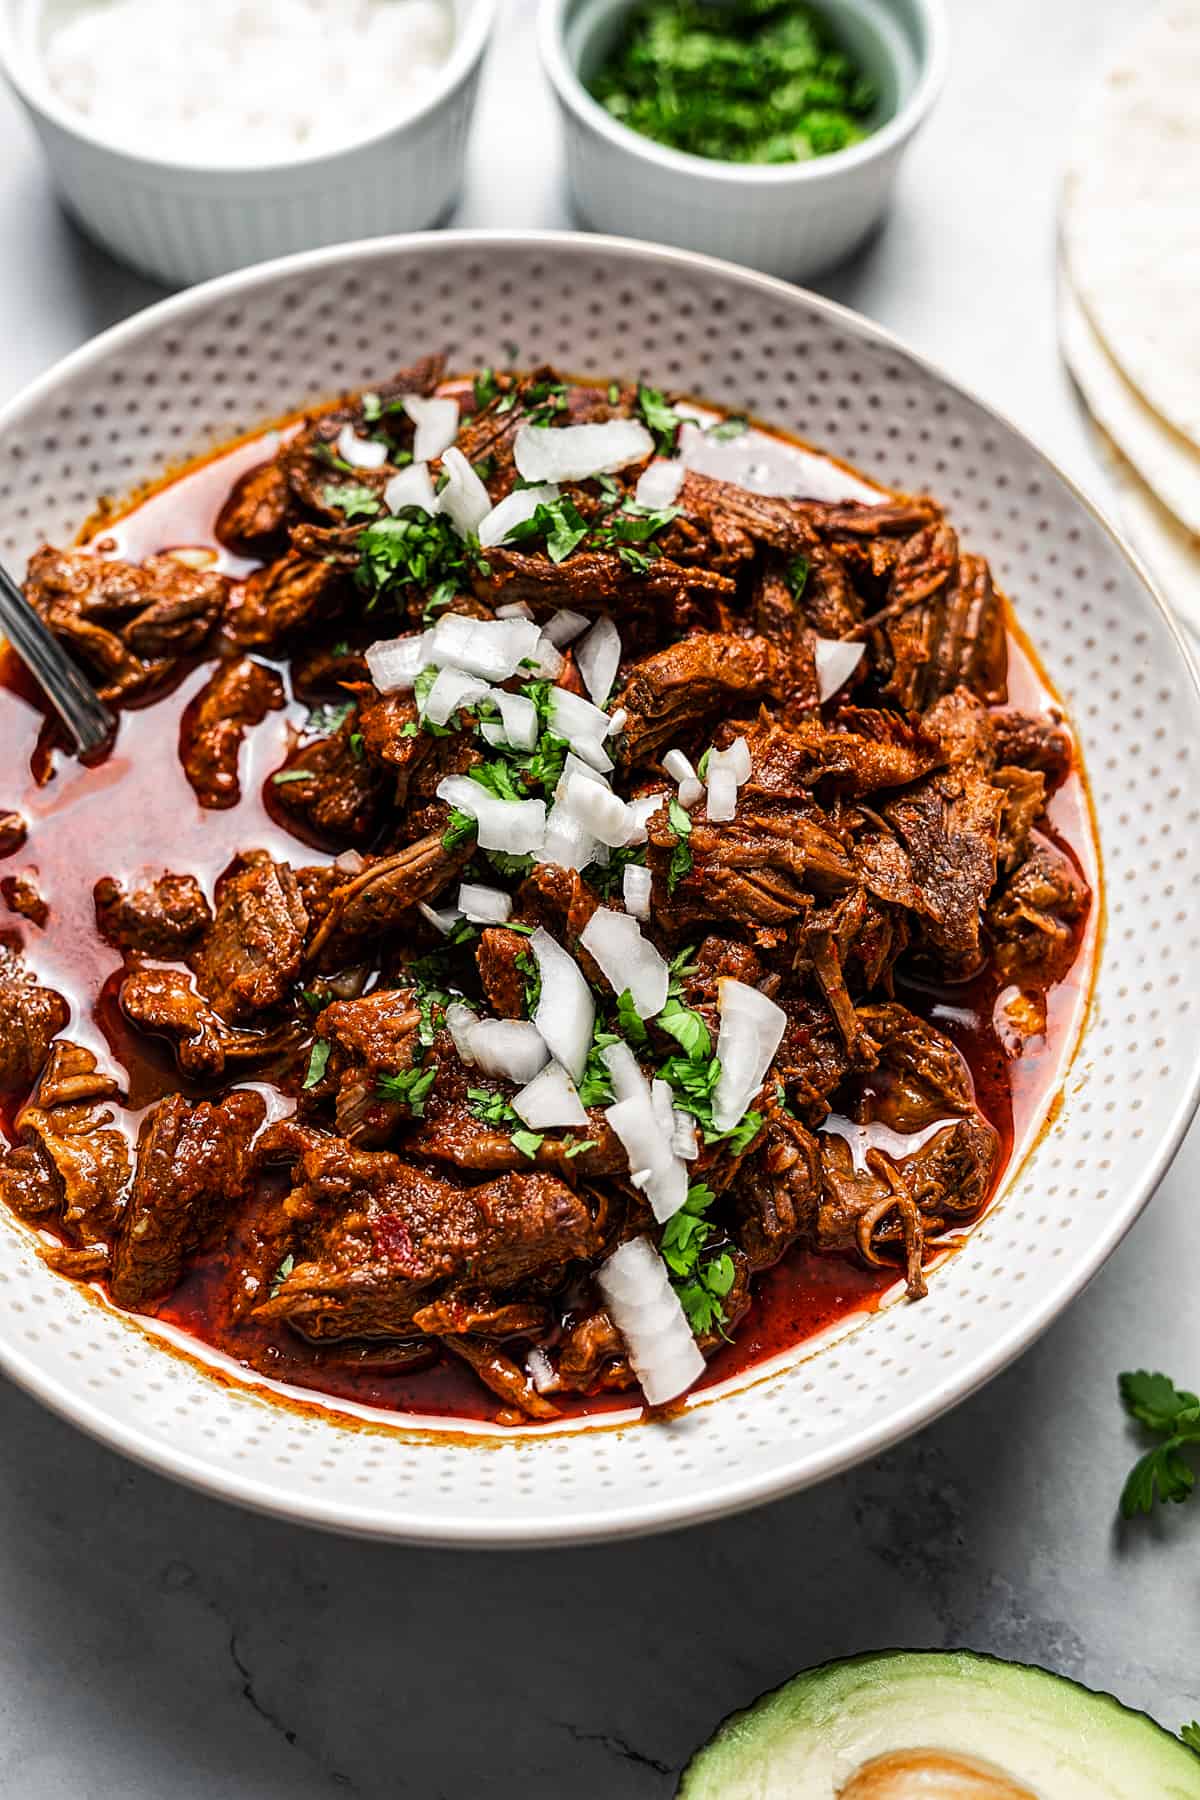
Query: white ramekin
182	223
791	219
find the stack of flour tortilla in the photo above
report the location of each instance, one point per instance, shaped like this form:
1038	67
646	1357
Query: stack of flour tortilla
1130	288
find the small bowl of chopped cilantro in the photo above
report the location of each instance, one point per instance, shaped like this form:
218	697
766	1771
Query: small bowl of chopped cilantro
765	131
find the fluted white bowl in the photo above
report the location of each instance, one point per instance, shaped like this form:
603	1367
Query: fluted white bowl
789	219
182	222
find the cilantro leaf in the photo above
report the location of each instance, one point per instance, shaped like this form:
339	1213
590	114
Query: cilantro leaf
413	549
324	720
460	828
687	1028
410	1086
1163	1473
797	576
630	1020
1155	1401
318	1061
284	1270
486	388
571	1149
490	1107
659	417
1190	1735
725	430
681	857
528	1142
352	499
559	524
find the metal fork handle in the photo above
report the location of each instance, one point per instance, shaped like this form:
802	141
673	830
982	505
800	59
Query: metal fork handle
68	689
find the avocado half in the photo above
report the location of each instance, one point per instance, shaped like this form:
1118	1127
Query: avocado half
913	1725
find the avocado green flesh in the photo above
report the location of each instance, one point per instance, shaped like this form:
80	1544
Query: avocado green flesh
807	1739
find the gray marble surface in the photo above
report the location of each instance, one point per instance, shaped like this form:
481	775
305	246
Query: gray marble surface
153	1641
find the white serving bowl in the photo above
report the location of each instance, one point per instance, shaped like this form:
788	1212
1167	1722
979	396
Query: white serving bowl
205	366
181	222
789	219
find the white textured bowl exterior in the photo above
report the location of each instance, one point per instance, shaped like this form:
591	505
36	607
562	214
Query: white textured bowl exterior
182	377
182	225
792	222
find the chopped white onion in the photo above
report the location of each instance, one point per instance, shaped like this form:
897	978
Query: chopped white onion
411	487
653	1165
659	485
395	663
566	1011
685	1141
451	690
725	772
519	718
548	663
566	842
618	722
599	811
646	1310
350	862
516	609
663	1103
575	765
751	1029
484	905
464	499
836	663
583	725
635	890
492	648
436	421
493	733
627	959
461	1021
514	826
513	510
678	766
540	1371
550	1100
564	626
625	1070
598	656
509	1048
641	811
577	452
360	453
441	921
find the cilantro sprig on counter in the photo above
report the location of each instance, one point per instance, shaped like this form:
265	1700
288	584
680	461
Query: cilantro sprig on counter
1163	1473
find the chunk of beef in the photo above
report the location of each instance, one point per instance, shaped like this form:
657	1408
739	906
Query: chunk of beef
506	1378
331	790
1033	919
236	696
31	1016
777	1191
194	1170
479	1315
921	1076
592	581
23	896
760	870
593	1356
907	639
498	957
385	1235
382	897
68	1168
788	525
13	833
128	623
321	671
305	459
701	678
1039	743
255	517
858	752
391	741
368	1038
949	823
558	899
778	619
811	1060
165	1003
248	960
451	1131
162	919
1024	792
294	595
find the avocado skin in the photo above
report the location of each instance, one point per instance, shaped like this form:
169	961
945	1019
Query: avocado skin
722	1750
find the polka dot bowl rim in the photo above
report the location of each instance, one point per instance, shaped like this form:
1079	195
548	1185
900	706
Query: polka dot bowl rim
132	403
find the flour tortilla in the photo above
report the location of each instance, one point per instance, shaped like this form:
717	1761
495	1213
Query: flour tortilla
1169	551
1131	212
1166	461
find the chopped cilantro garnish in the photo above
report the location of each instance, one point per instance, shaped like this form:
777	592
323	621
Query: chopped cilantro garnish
318	1061
558	524
486	388
431	1004
281	1274
357	745
660	417
701	1285
596	1088
324	720
526	965
528	1142
633	1028
352	499
797	576
614	393
681	856
460	828
288	775
490	1107
572	1149
411	550
725	430
410	1087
